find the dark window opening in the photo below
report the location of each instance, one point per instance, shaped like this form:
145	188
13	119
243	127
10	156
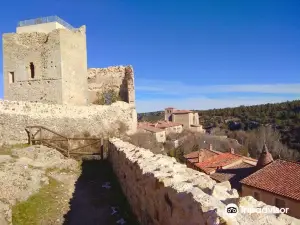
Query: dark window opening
11	77
279	203
31	70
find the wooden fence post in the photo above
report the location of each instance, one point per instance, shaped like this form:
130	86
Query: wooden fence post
41	137
68	150
102	149
29	137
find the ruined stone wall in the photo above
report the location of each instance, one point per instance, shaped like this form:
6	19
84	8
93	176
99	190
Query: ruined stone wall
162	191
117	78
64	119
74	66
48	68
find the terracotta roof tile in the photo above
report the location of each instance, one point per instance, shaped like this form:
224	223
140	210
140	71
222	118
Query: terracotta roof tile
193	157
234	174
150	128
279	177
214	162
165	124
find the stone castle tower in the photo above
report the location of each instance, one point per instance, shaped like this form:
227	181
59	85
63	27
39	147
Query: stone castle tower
46	61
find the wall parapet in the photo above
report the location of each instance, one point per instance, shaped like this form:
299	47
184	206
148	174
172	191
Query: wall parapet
47	19
163	191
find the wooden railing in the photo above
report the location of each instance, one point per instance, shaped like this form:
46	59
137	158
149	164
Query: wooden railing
45	136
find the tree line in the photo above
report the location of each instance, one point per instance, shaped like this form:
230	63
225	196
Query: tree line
244	122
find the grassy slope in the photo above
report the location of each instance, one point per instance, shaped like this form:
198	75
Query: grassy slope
41	208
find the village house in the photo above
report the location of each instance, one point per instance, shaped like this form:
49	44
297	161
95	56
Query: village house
169	127
275	183
159	134
221	166
160	129
189	119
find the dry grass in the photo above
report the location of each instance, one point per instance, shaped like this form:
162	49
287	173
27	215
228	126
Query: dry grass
43	207
6	150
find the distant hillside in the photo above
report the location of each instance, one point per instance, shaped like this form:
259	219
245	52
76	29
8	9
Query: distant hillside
151	116
284	116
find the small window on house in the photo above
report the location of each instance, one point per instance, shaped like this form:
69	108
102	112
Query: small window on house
279	203
11	77
257	196
31	70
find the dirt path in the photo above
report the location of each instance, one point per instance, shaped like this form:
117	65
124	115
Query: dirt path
98	199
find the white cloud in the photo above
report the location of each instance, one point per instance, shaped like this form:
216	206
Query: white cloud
203	103
177	88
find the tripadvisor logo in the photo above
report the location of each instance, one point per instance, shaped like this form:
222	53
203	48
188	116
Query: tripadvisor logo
231	209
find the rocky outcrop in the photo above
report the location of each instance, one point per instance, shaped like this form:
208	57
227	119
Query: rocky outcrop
162	191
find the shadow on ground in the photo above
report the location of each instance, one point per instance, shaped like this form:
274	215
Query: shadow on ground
97	191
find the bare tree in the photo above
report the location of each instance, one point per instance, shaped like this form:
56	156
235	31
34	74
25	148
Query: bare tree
147	141
271	137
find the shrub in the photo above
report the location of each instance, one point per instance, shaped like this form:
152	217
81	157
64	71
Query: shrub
107	97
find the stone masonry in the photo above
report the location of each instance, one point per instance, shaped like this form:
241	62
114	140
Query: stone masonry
64	119
162	191
46	61
46	67
47	83
117	78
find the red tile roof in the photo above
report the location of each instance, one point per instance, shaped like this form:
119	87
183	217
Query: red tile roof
159	124
234	174
193	157
214	162
279	177
165	124
149	128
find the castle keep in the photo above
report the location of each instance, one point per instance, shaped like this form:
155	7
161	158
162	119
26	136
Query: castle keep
46	61
47	82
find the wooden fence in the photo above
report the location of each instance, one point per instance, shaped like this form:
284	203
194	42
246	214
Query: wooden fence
45	136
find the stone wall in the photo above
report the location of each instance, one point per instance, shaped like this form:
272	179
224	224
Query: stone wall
64	119
45	67
162	191
117	78
40	49
74	66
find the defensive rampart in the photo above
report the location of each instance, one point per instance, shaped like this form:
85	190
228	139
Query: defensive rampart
64	119
162	191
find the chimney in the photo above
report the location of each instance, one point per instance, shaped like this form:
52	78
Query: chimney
210	147
232	150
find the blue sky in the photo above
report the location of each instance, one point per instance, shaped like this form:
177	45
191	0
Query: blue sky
197	54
